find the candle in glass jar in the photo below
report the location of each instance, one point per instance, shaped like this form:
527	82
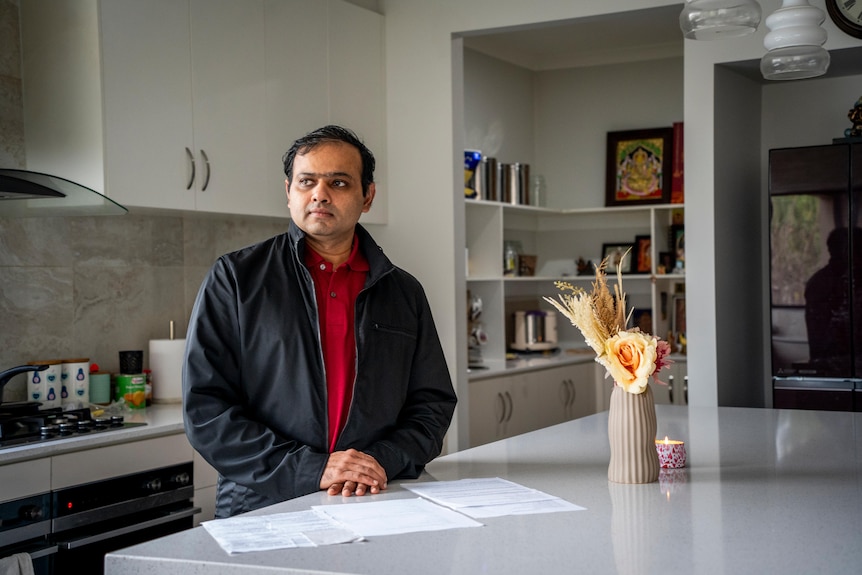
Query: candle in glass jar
671	453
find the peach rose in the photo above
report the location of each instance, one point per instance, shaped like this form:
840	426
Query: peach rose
630	358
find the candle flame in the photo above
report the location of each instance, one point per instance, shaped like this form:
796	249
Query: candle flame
666	440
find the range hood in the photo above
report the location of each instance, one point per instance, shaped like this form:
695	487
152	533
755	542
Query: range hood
25	194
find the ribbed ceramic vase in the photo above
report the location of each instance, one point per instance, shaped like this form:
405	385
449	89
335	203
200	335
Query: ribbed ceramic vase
631	431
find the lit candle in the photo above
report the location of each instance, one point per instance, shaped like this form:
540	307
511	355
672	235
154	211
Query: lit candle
671	453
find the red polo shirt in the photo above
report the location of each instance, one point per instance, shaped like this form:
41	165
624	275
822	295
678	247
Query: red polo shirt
336	290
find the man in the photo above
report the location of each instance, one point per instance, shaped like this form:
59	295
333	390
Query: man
312	362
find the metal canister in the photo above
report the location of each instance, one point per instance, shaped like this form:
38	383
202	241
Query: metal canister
489	174
524	184
513	191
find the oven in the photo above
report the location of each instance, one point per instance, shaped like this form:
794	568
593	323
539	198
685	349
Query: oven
97	518
69	530
25	526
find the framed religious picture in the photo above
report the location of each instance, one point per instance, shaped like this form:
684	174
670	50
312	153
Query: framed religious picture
639	167
617	258
643	254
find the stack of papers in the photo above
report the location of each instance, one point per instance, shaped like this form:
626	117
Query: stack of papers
491	497
441	505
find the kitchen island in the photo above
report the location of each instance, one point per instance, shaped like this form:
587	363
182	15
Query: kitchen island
765	491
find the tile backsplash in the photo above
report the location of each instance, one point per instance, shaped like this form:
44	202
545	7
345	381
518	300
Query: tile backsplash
92	286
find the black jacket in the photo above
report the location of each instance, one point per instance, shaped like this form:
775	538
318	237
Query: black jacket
254	391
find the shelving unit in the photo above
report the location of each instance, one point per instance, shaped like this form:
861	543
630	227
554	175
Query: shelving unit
558	238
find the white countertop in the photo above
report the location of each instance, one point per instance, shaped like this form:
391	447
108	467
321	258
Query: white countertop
166	419
765	491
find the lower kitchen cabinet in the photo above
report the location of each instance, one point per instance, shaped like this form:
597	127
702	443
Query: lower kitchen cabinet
676	378
508	405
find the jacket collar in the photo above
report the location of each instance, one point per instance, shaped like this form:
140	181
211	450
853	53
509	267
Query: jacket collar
378	263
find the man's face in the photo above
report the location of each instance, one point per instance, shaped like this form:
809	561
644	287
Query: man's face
325	194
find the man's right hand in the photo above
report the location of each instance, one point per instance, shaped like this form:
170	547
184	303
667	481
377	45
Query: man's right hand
352	472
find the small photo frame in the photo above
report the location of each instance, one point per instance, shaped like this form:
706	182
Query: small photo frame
643	254
642	318
639	167
677	246
678	325
527	265
619	257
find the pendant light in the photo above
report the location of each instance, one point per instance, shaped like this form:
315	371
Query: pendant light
794	42
716	19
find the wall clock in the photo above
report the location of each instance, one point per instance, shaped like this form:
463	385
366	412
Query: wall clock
847	15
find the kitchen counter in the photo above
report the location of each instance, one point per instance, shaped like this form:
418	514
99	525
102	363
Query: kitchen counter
765	491
166	419
524	362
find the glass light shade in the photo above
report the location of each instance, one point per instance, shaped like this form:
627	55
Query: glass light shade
794	63
716	19
795	42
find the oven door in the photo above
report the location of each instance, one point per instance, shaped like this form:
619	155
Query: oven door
93	519
41	553
83	550
24	527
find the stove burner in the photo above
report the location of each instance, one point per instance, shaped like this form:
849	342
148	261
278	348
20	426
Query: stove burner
53	424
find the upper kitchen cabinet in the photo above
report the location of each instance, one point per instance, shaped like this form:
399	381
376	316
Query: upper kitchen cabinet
185	105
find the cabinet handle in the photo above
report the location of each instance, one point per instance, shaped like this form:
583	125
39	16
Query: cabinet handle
574	392
670	387
192	163
207	164
501	412
565	393
685	389
511	406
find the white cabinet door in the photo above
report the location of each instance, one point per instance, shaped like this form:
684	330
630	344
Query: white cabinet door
499	408
677	378
297	98
584	397
563	393
184	104
229	105
357	86
146	75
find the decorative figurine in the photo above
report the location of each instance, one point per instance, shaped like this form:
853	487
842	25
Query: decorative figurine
585	267
855	115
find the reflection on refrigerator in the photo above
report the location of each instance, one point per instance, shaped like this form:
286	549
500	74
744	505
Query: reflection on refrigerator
816	276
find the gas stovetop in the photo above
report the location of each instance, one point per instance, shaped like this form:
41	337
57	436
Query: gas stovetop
53	424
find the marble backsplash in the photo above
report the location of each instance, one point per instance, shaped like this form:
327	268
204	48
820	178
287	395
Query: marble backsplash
93	286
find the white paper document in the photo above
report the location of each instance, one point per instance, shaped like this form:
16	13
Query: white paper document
490	497
395	516
278	531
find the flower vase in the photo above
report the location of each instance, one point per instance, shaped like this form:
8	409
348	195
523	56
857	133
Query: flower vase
631	431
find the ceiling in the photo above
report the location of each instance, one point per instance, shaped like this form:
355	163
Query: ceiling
635	35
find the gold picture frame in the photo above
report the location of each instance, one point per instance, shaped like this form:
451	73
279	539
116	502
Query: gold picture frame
639	167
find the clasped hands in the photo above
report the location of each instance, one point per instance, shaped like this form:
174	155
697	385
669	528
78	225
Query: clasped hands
352	472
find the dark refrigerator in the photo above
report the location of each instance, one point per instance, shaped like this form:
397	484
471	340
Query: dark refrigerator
815	194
